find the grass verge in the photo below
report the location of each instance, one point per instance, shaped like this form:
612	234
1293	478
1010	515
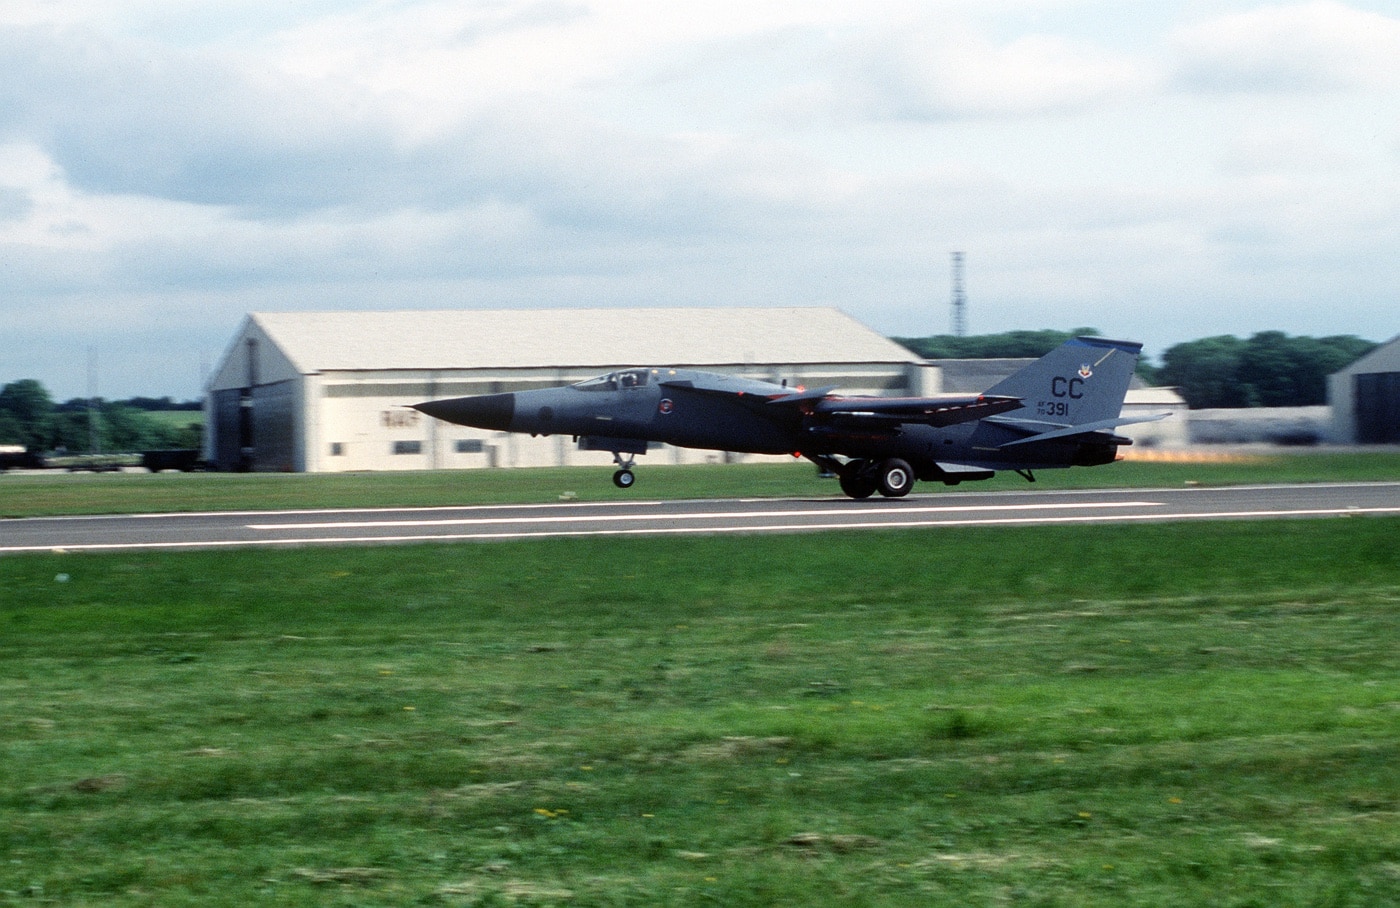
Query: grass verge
1156	715
32	495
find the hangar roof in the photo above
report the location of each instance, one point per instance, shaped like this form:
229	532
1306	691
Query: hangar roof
1385	358
530	338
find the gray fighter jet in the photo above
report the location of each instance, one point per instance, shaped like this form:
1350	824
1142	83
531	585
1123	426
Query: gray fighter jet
1056	412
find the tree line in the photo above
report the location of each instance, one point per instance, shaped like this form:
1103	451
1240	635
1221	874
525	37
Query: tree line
1269	369
30	417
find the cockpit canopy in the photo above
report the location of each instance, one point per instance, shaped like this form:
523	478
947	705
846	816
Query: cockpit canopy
613	381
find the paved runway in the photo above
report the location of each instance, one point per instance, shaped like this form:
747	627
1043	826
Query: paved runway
656	518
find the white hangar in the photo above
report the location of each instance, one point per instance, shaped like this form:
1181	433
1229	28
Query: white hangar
329	391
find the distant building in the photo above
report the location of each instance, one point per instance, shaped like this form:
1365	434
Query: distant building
329	391
1365	398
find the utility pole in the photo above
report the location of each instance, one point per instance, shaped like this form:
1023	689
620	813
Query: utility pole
94	437
959	298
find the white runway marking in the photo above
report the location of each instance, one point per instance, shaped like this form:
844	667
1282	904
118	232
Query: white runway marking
682	516
714	530
425	509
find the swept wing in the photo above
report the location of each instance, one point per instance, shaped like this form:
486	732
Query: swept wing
885	412
877	413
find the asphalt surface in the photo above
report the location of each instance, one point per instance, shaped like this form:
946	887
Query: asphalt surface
658	518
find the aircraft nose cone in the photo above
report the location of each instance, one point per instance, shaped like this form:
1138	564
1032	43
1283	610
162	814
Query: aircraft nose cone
487	411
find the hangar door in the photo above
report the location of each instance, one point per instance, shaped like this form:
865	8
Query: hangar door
1378	408
228	430
254	428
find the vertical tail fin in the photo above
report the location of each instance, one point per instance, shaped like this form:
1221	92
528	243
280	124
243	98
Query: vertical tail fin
1084	380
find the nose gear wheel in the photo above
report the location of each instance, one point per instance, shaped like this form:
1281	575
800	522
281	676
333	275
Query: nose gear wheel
624	477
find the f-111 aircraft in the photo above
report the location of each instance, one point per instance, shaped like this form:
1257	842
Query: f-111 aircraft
1059	411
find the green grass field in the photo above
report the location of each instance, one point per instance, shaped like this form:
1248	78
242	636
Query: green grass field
1157	715
34	495
177	419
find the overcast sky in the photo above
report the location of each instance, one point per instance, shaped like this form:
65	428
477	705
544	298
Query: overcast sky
1161	171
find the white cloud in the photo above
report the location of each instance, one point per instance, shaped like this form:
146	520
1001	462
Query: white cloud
166	165
1288	149
1318	46
124	117
942	73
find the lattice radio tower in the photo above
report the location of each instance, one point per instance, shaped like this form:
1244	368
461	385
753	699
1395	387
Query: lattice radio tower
959	298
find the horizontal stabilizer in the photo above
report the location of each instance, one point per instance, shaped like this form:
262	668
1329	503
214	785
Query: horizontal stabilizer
1081	429
954	469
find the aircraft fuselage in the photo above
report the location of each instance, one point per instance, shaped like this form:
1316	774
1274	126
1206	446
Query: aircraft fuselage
1073	396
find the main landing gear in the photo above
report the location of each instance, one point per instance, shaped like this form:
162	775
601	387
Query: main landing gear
892	478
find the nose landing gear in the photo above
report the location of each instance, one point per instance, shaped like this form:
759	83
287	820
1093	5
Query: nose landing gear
624	477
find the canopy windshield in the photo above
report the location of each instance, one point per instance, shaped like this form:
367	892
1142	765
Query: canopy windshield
613	381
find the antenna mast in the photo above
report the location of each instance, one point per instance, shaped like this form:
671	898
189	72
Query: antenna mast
94	437
959	298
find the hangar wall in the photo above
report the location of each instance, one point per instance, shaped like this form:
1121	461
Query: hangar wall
254	407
